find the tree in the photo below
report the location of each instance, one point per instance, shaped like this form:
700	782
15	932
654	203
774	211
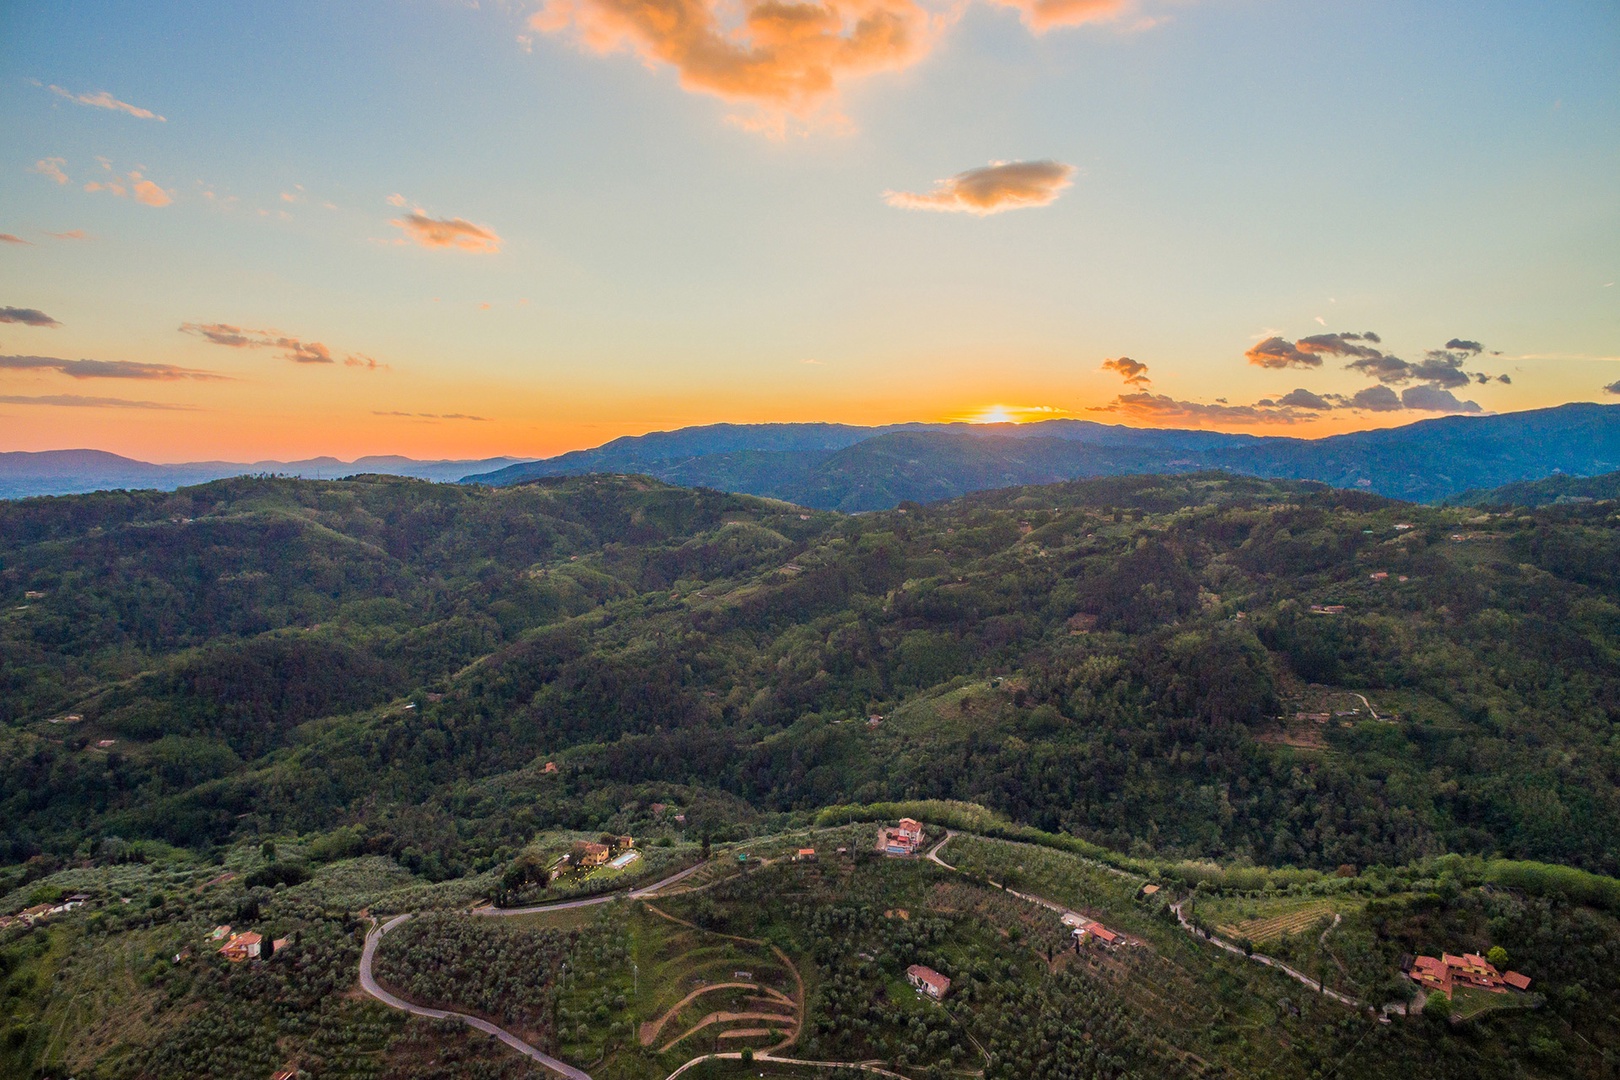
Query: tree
1498	956
268	850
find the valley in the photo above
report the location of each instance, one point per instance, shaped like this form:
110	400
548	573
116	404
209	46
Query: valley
621	753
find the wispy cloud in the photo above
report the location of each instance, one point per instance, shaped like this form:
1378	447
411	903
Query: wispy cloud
108	369
1043	15
1163	409
51	168
1612	388
432	232
27	316
992	189
130	185
101	99
292	348
431	416
75	401
71	234
1134	372
7	238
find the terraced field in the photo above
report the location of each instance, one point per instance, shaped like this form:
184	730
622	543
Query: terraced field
1272	927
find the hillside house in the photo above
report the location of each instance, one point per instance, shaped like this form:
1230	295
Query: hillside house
904	839
1469	969
35	914
550	766
590	853
1147	892
242	947
625	843
928	981
1094	931
805	854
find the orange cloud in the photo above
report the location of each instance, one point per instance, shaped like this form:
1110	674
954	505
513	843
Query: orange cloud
1133	372
7	238
51	169
103	100
294	349
1163	409
431	232
134	186
71	234
1042	15
997	187
786	59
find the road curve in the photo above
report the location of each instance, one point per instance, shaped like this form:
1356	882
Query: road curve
736	1056
599	898
1259	958
1269	961
369	984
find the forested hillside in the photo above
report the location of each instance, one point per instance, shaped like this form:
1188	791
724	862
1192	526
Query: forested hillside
1141	662
1323	722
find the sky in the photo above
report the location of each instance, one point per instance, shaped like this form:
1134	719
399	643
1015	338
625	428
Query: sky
458	229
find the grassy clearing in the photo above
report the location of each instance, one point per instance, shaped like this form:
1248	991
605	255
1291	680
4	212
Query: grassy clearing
1469	1002
1267	920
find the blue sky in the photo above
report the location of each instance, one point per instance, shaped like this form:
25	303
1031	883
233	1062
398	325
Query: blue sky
1238	171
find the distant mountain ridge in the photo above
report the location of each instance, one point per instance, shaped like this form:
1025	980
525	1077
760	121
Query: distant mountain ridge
851	468
69	472
829	466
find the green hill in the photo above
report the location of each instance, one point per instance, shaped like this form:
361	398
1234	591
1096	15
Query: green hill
1200	679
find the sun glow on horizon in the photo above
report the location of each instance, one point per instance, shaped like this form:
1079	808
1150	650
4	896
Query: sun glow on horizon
1012	414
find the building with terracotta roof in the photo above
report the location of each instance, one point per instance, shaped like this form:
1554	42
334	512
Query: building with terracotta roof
1091	930
242	947
805	854
1428	972
1469	969
590	853
928	981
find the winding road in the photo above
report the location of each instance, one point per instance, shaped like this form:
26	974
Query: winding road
369	984
1259	958
1270	961
562	1068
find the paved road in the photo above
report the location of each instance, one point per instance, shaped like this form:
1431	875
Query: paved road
736	1056
600	898
370	986
1269	961
1259	958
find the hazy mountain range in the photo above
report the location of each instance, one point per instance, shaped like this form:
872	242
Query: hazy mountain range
845	467
68	472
